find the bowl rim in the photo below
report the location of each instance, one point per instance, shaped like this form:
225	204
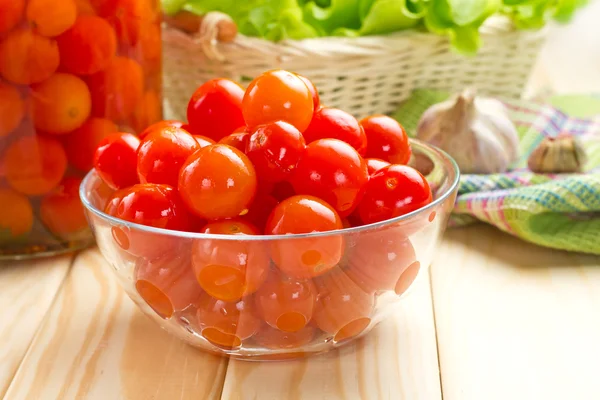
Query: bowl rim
445	158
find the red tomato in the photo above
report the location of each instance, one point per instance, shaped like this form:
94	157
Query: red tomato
272	338
305	257
278	96
226	324
238	139
215	109
203	141
286	303
229	269
333	171
218	182
115	160
275	150
331	123
113	202
167	284
343	309
375	164
313	91
394	191
153	205
386	139
378	259
160	125
162	153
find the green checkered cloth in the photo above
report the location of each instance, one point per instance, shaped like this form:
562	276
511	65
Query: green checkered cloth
557	211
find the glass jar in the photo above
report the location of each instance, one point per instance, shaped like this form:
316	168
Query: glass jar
71	73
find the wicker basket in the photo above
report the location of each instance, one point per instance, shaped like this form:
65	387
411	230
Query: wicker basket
364	75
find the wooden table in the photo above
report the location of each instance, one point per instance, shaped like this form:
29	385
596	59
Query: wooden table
498	319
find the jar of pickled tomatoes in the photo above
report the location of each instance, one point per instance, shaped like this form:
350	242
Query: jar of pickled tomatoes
71	73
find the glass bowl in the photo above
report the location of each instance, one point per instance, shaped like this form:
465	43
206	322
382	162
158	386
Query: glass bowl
249	297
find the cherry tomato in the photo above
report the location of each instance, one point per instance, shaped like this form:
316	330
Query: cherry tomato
331	123
394	191
305	257
275	150
407	278
378	259
61	211
204	141
386	139
167	284
113	202
162	153
218	182
230	269
375	164
278	96
343	309
313	91
159	125
333	171
286	303
115	160
238	139
215	109
261	208
272	338
153	205
226	324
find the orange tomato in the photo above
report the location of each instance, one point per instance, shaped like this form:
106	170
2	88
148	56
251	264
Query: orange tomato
11	12
230	269
81	144
149	48
378	259
129	17
226	324
167	285
34	165
88	47
12	109
61	211
286	303
50	17
61	104
148	111
117	90
16	214
26	57
343	309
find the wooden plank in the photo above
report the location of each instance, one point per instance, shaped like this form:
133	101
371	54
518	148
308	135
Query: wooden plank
515	321
397	360
96	344
27	289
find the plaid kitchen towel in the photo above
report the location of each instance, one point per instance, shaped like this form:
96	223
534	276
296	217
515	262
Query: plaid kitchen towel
558	211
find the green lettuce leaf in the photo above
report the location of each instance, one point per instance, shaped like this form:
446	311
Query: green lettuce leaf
386	16
331	14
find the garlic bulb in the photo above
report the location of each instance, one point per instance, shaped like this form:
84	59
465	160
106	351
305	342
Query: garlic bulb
475	131
561	154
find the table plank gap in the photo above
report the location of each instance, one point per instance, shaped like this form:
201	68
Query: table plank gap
397	360
96	344
514	320
27	291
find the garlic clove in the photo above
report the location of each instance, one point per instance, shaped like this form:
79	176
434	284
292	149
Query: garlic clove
476	131
561	154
